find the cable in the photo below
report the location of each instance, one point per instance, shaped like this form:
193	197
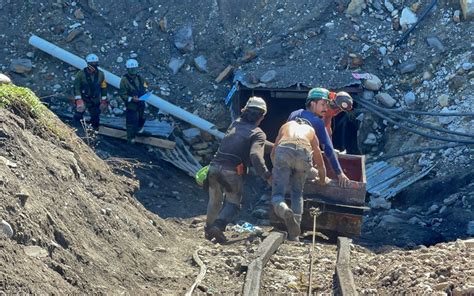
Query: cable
414	151
414	130
424	125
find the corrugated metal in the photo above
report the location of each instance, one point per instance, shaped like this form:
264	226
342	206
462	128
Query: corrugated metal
385	180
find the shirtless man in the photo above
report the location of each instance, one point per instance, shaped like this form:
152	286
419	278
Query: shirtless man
296	149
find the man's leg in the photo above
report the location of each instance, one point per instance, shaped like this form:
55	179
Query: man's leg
131	118
280	180
216	197
141	117
94	111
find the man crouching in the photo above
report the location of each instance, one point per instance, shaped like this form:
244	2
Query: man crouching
296	149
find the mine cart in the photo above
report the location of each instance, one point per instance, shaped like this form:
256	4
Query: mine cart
341	208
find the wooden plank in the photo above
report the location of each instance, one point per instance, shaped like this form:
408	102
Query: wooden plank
254	272
270	245
119	134
253	278
225	73
344	276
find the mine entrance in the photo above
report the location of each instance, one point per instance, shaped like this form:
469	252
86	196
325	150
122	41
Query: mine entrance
281	102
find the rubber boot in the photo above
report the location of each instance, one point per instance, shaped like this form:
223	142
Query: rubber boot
215	231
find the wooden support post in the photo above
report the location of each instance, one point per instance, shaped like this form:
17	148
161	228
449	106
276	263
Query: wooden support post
345	278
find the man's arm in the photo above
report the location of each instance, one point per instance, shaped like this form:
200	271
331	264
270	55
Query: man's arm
77	85
277	140
318	159
256	155
123	92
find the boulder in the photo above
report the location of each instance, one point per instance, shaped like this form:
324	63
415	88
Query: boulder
4	79
408	17
386	99
268	76
183	39
21	66
374	83
175	64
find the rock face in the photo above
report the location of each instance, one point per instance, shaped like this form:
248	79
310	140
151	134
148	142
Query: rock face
183	39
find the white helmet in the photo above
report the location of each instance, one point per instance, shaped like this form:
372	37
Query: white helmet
92	58
131	63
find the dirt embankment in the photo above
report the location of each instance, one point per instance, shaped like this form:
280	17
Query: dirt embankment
76	226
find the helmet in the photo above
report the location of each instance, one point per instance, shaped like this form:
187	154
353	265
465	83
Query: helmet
131	63
317	93
256	102
92	58
344	101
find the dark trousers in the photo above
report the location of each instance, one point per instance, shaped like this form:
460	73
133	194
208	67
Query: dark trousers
135	119
94	112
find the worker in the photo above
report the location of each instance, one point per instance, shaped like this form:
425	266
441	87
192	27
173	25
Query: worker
132	87
338	103
242	147
90	90
316	108
296	150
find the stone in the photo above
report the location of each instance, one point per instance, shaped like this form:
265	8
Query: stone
441	286
470	228
268	76
78	14
457	16
446	119
113	103
21	66
371	139
7	162
368	95
183	39
457	82
117	111
374	83
4	79
386	99
408	17
389	219
200	146
389	6
427	75
35	251
410	98
470	242
467	66
120	60
6	229
200	63
450	200
175	64
377	5
467	7
379	203
73	34
432	209
191	135
355	7
383	50
408	67
443	100
434	42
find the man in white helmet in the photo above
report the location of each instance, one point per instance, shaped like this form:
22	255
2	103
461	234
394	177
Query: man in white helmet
90	90
242	146
132	87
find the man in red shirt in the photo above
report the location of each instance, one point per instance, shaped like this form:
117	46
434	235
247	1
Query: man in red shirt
339	102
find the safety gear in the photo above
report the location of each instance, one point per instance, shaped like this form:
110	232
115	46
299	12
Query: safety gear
103	106
317	93
92	58
201	175
256	102
131	63
344	101
80	107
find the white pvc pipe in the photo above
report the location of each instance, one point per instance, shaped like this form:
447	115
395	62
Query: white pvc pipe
114	80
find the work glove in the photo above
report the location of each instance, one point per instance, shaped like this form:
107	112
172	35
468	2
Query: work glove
103	106
80	107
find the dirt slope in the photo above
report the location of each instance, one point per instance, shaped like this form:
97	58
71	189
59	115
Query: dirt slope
80	225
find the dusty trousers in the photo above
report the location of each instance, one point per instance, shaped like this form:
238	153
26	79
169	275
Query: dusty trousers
225	195
293	161
135	119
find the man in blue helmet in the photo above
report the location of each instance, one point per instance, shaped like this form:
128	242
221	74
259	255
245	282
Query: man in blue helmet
90	90
316	108
132	87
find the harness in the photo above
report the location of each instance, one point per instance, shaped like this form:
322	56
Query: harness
92	89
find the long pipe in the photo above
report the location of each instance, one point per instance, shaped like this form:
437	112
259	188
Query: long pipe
114	80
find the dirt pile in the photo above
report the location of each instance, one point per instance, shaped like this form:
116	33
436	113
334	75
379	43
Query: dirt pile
76	225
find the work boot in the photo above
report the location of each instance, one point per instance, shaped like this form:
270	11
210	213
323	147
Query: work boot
216	233
292	226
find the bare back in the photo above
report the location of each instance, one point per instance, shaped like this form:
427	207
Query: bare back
295	130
